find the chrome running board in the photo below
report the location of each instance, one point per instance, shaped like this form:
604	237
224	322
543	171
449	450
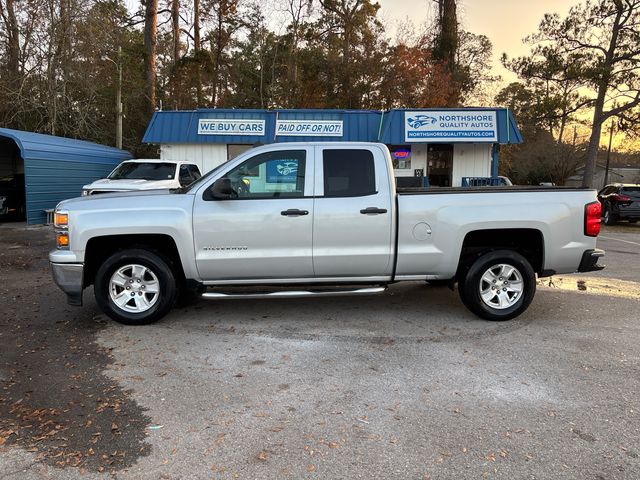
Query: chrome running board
294	294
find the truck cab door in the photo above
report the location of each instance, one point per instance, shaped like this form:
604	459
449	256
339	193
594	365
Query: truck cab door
353	223
264	231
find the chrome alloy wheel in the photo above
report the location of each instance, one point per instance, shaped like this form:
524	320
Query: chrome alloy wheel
134	288
501	286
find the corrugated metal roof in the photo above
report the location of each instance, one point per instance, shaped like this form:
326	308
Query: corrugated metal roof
56	168
181	126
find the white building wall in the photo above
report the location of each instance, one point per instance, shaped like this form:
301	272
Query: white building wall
206	156
470	160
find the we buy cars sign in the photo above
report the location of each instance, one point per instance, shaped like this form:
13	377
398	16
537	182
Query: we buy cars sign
448	126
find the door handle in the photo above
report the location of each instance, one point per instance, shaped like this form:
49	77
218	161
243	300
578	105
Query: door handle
373	210
294	212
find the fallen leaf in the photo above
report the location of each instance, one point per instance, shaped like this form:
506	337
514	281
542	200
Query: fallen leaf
263	456
311	468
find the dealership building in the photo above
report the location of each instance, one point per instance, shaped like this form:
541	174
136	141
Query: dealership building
429	147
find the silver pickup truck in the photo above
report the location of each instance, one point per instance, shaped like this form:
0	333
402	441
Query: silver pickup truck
312	219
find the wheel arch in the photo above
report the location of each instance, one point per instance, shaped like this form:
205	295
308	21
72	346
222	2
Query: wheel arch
528	242
102	247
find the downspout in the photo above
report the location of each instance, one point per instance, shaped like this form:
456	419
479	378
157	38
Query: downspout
275	128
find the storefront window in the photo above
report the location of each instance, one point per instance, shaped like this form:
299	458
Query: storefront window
401	156
234	150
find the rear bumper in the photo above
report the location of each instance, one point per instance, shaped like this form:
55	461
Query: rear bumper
68	276
589	262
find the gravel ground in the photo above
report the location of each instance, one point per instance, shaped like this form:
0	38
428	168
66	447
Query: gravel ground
407	384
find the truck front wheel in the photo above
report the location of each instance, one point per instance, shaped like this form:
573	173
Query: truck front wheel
135	287
499	285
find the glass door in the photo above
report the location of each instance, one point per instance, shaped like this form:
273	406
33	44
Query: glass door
440	164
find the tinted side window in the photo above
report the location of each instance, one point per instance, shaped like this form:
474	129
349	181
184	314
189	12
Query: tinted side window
195	172
348	173
185	176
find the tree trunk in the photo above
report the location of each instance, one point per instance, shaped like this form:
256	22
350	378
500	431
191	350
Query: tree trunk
175	23
594	139
13	43
150	41
447	46
598	117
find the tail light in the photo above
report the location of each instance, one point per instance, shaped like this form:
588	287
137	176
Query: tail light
592	214
620	198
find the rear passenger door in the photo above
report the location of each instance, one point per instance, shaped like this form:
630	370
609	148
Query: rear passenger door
353	214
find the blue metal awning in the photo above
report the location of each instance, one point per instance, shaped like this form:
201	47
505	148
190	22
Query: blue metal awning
205	126
180	126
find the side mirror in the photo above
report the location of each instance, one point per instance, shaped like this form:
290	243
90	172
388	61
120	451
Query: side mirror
220	190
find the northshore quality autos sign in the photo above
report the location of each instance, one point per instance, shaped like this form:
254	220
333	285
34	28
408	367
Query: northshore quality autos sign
442	126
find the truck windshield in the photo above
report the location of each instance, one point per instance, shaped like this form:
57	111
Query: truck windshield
144	171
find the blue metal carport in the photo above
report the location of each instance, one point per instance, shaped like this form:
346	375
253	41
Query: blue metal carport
56	168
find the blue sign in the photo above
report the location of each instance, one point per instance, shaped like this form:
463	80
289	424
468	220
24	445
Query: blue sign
443	126
282	171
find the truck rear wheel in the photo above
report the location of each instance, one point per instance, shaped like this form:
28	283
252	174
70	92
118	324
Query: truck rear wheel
499	285
135	287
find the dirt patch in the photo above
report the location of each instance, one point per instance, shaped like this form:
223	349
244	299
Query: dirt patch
593	285
54	399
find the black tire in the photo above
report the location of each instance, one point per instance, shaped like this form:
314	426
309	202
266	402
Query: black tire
156	267
609	217
469	286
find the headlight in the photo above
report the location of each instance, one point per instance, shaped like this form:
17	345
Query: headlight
84	193
61	219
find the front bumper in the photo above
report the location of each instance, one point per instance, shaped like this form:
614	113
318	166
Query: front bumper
68	276
589	262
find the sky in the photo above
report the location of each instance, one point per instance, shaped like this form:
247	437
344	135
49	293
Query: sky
505	22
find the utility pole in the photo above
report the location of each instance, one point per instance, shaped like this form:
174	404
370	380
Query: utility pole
119	101
118	65
606	168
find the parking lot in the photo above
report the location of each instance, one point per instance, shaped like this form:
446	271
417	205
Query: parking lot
407	384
